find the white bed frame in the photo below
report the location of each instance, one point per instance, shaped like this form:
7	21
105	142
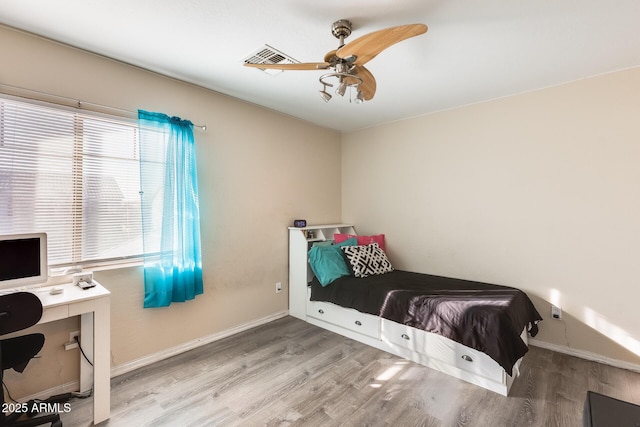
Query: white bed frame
422	347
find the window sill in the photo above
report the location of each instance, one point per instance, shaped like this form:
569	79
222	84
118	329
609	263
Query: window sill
65	275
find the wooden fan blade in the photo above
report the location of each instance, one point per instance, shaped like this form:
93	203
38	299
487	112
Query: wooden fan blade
300	66
368	46
368	86
329	56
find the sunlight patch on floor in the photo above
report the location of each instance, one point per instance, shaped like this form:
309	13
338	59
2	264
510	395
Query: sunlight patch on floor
389	373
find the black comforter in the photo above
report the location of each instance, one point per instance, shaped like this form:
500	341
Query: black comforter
486	317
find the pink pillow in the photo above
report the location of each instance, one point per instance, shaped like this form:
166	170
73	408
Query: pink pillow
362	240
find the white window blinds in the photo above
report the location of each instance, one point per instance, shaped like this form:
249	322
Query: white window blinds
73	175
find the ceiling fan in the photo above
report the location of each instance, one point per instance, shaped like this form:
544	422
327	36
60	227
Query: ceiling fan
346	63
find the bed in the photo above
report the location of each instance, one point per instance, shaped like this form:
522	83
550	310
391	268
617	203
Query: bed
473	331
488	318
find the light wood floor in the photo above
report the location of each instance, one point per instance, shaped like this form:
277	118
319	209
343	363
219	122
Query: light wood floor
289	372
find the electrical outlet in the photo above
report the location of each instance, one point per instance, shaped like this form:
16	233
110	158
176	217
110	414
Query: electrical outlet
556	312
278	287
86	277
72	343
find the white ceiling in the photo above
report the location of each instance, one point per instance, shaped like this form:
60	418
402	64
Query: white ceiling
474	50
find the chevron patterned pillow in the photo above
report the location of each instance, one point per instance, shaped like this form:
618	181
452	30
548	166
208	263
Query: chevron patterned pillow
367	260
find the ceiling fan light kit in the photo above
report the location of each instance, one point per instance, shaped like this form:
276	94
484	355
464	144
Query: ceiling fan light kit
347	62
326	96
346	79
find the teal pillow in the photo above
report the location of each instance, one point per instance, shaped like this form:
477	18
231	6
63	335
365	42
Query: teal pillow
327	262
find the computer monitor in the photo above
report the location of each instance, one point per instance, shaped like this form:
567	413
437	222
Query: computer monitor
23	260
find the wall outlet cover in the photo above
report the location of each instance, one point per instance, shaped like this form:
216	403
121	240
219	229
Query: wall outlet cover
86	277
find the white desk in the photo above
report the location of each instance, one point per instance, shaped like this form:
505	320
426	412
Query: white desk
93	307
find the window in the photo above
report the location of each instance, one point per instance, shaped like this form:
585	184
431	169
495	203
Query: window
74	175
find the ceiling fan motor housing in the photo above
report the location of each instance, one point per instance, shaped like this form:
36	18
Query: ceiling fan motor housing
341	29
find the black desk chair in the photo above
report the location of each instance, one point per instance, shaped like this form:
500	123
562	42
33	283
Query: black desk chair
19	311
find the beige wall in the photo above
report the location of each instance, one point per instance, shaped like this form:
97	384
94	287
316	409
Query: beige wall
539	191
258	170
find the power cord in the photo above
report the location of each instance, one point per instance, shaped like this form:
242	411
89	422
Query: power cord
8	393
566	336
77	338
34	406
58	398
83	395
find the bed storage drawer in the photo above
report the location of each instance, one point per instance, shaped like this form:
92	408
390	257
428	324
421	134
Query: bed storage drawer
348	318
442	349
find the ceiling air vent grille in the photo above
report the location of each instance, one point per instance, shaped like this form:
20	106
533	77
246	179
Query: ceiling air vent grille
269	55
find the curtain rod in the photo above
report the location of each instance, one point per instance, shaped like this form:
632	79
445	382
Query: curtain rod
77	103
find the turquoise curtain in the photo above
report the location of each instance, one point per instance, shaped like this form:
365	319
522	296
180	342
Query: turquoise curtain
170	210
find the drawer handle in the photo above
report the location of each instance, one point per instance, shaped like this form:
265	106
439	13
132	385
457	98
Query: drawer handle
359	323
467	358
405	337
321	311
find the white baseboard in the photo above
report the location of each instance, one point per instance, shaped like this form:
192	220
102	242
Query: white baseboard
190	345
587	355
53	391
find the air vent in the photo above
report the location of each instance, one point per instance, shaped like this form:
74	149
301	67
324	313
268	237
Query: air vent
269	55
